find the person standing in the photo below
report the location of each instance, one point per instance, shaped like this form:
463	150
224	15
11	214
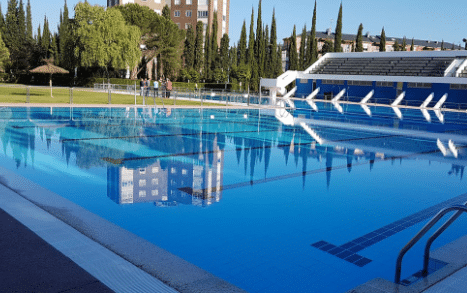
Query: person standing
156	88
141	86
169	88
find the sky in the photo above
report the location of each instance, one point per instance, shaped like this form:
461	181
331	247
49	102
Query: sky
419	19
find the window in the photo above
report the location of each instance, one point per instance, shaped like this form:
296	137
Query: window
142	193
155	169
158	11
155	192
303	80
458	87
157	1
188	2
419	85
188	13
202	14
173	170
142	182
202	2
360	82
178	24
177	2
155	181
184	171
177	13
142	171
328	81
384	84
187	25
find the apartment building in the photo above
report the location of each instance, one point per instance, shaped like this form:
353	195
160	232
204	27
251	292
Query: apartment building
187	13
156	5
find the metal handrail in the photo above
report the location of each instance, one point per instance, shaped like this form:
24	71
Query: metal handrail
423	231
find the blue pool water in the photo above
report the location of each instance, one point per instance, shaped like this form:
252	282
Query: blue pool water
271	201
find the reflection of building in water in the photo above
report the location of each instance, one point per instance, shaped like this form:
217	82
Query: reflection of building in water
200	177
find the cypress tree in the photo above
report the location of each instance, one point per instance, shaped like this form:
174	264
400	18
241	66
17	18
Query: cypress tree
278	67
4	53
382	43
214	46
442	46
2	23
21	17
45	42
359	46
65	41
207	54
224	53
11	31
259	42
166	12
251	42
198	53
242	46
312	43
29	22
338	35
293	58
273	46
267	53
302	57
53	52
404	44
189	49
412	46
38	36
396	46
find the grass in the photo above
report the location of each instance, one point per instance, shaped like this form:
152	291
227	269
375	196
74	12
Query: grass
18	94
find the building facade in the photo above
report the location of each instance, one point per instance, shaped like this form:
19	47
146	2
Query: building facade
156	5
186	13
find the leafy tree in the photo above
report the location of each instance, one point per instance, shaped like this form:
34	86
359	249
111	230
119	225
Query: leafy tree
382	43
312	47
29	36
166	12
327	47
293	58
243	74
189	49
302	57
2	21
412	46
11	32
396	46
198	53
105	40
359	46
404	44
338	36
4	54
242	45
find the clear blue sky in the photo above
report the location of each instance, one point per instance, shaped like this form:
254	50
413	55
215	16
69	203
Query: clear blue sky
420	19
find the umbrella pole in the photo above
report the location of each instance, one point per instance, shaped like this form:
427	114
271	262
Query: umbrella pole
51	86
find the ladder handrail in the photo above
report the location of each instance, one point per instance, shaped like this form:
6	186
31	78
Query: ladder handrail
426	255
421	233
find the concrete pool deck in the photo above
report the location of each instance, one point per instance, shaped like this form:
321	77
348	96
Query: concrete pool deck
118	259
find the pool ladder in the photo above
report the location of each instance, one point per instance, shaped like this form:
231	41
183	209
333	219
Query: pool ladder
426	257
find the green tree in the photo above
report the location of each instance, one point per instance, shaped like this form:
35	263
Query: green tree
251	42
267	53
11	33
105	40
359	46
189	49
214	45
302	58
224	53
404	44
442	46
233	63
338	35
396	46
45	40
198	54
2	21
293	56
4	54
278	66
207	54
273	47
166	12
412	46
242	45
29	36
312	47
382	43
328	47
259	43
66	41
21	18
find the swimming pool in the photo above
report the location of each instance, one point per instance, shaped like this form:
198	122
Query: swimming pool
271	201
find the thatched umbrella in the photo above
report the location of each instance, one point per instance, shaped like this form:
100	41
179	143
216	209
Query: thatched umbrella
50	69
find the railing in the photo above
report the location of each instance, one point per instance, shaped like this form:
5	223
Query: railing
459	208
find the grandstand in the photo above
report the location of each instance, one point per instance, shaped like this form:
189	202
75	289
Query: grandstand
395	78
